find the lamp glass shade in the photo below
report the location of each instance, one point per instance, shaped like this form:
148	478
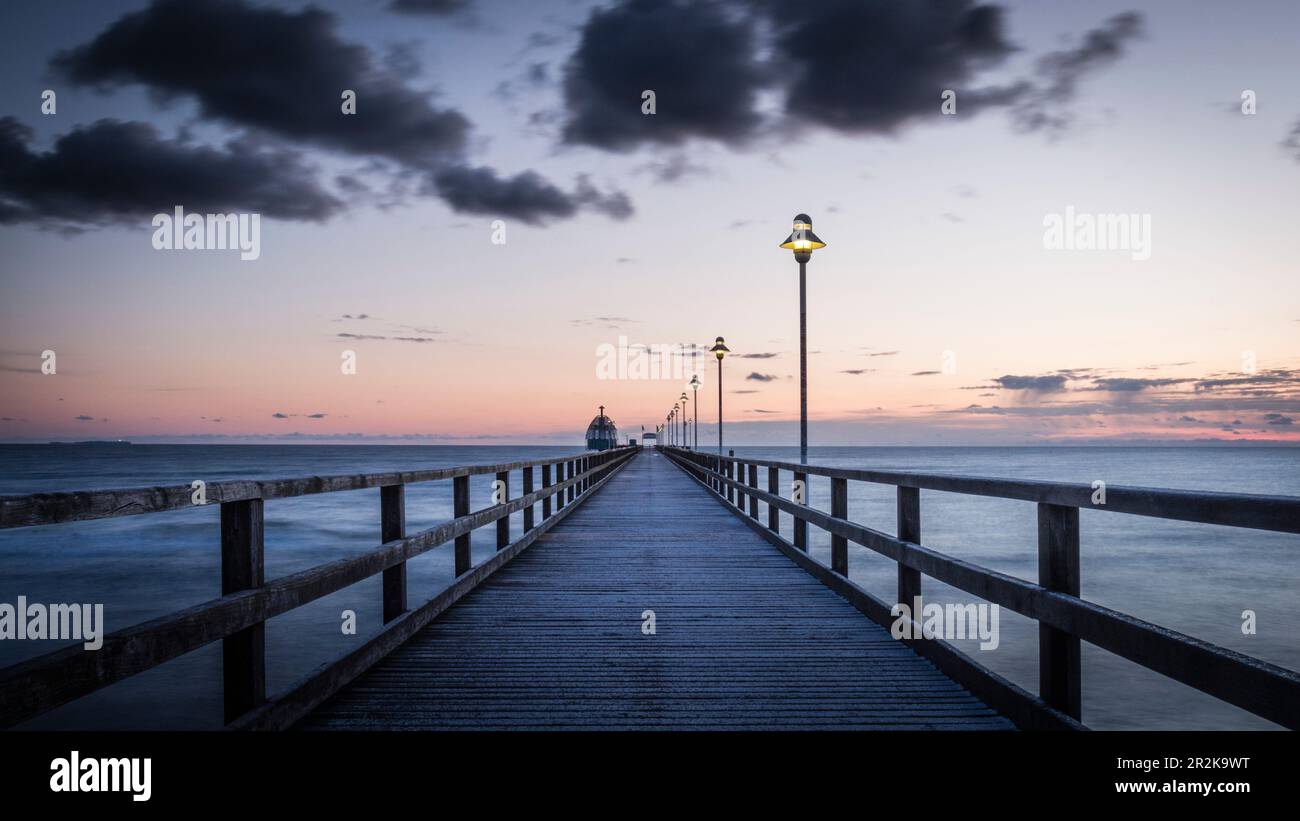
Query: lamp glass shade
720	349
802	237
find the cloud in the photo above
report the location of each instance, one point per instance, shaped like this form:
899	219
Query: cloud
1043	109
1044	384
883	353
859	371
266	68
84	418
872	66
1278	419
1129	384
761	377
674	168
1292	146
440	8
527	196
114	172
757	355
698	59
926	373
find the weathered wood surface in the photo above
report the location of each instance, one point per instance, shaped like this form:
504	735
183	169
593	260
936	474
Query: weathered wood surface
744	638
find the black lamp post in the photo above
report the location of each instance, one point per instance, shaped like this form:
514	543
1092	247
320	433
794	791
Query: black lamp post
720	350
695	386
803	242
686	442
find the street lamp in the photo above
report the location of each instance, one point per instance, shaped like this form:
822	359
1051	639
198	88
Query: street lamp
686	442
720	350
803	242
695	386
676	408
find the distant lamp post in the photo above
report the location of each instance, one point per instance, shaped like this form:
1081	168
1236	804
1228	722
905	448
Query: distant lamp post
676	413
686	441
803	242
720	350
695	386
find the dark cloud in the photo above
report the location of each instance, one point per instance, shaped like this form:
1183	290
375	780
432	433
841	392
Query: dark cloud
757	355
279	71
1278	419
761	377
872	66
440	8
1044	384
278	415
527	196
697	57
859	371
926	373
883	353
1292	146
84	418
112	171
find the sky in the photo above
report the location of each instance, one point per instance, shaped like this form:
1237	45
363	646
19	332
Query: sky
500	210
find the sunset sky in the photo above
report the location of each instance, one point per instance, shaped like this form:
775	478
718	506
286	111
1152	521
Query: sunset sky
377	228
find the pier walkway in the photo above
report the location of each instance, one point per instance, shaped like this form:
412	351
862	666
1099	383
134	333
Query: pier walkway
743	638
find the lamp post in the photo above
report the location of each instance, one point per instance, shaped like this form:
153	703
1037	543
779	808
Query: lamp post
803	242
676	413
686	441
695	386
720	350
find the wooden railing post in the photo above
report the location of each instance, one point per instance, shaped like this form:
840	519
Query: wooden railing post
392	526
460	507
909	530
731	473
569	466
1059	672
840	510
546	482
774	488
801	525
243	659
528	488
503	524
753	499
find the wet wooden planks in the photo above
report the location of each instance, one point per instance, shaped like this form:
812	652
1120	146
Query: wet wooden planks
743	638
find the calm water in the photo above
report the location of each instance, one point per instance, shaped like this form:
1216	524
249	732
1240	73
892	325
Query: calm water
1193	578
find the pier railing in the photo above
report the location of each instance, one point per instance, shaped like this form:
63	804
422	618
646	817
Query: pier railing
1063	617
247	600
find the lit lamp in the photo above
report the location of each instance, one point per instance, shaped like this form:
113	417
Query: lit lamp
695	386
720	350
803	242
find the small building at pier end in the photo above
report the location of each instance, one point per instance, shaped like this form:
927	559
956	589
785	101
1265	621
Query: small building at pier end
602	434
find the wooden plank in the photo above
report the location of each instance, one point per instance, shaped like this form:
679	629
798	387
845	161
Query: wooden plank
840	510
392	514
243	654
529	524
76	506
1059	673
774	488
743	638
503	524
909	530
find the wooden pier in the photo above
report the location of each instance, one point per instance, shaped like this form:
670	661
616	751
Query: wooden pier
743	639
553	631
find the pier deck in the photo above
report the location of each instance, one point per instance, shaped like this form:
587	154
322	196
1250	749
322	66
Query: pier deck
744	638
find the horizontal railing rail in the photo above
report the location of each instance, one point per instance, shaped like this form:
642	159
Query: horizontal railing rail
1064	618
38	685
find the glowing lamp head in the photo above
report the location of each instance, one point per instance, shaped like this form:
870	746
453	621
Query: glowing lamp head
802	240
695	382
683	399
720	349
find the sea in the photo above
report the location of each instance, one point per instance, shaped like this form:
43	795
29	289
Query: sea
1201	580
